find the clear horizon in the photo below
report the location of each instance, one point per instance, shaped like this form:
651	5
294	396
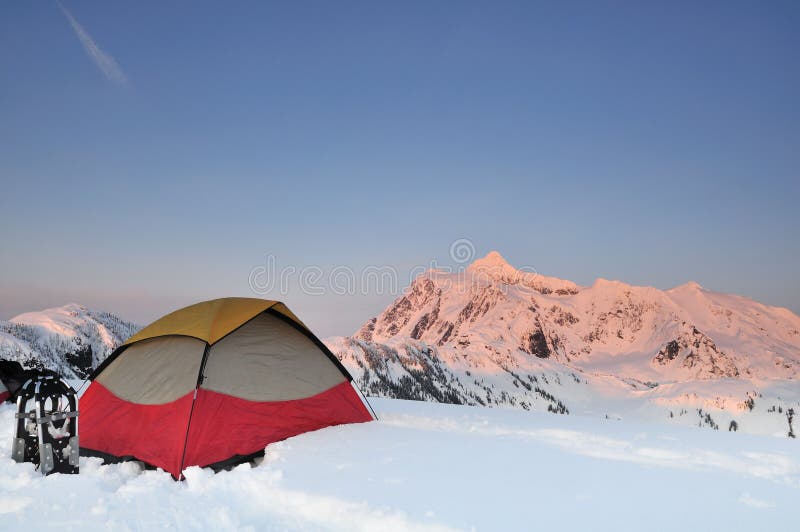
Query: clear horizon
153	155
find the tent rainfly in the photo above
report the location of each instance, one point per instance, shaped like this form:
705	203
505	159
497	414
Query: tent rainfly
211	385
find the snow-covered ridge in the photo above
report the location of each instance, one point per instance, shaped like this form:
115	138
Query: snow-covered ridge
494	335
71	340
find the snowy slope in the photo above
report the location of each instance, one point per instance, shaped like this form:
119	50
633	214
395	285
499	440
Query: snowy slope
428	466
70	339
493	335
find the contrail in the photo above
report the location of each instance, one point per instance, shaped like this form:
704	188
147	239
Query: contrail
104	61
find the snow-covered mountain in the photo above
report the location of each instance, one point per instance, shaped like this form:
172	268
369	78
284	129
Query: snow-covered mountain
71	340
494	335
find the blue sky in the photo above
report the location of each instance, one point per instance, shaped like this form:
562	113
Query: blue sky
651	144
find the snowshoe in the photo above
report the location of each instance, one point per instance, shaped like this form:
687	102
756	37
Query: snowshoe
47	425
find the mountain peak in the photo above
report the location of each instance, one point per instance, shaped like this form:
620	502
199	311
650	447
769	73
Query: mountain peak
493	257
495	262
691	286
494	267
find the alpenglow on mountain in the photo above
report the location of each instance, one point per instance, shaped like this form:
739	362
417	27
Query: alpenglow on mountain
493	335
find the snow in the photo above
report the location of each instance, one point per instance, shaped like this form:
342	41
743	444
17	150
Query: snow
427	466
58	320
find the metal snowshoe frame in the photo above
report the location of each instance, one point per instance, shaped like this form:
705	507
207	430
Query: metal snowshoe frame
34	439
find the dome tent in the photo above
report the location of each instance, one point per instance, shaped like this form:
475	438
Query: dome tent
212	384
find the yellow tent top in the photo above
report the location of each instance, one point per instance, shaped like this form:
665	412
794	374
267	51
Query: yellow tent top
211	320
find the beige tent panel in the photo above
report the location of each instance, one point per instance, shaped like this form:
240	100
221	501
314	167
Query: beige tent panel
211	320
268	359
155	371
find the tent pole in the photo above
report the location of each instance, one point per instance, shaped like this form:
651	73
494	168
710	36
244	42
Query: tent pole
191	411
364	397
